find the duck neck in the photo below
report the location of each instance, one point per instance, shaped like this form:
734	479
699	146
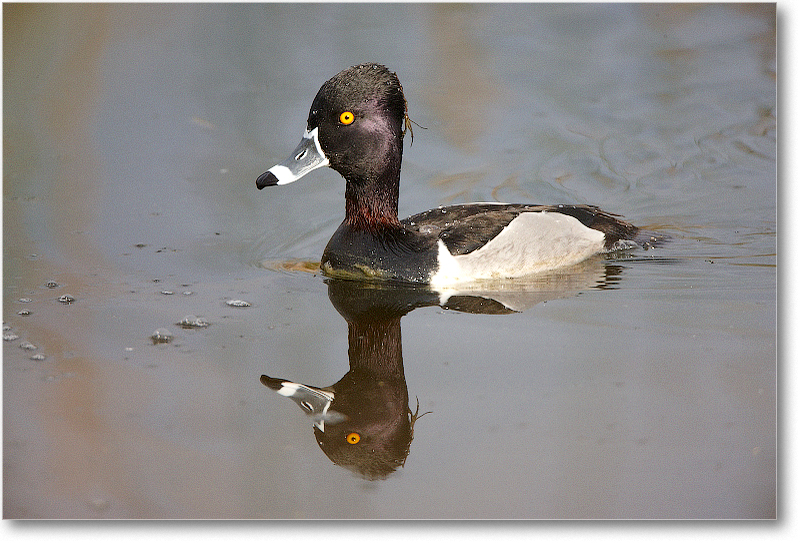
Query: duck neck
371	199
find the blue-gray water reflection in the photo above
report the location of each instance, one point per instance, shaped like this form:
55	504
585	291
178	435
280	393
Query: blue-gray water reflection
132	136
364	422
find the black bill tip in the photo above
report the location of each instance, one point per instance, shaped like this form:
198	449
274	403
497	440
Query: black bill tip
271	382
266	179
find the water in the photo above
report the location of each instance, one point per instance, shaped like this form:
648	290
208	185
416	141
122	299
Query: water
637	386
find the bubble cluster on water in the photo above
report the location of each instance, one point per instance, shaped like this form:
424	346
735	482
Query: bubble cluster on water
66	299
27	346
162	335
8	334
238	303
191	321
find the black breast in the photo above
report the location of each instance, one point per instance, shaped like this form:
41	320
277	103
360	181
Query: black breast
394	254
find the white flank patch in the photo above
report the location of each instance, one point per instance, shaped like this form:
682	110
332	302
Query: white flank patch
533	242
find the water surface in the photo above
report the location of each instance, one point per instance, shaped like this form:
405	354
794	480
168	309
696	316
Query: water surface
636	386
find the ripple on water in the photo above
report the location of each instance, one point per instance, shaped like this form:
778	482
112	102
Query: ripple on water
306	266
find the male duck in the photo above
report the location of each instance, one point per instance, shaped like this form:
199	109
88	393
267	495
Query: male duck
356	126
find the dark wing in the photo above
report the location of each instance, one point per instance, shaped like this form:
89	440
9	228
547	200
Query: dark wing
467	227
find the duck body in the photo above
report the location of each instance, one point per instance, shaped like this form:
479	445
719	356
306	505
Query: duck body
356	126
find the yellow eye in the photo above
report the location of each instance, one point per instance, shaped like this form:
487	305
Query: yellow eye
353	438
347	117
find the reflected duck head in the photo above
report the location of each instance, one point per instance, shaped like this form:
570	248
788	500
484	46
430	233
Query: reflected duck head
361	423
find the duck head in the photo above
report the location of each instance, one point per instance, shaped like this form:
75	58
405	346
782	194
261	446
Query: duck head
356	126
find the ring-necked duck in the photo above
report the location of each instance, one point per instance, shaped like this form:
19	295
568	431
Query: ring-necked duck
356	126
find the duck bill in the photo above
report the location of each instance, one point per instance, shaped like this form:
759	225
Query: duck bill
307	157
314	401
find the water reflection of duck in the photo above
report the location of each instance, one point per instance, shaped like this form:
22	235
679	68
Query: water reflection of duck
356	126
363	422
